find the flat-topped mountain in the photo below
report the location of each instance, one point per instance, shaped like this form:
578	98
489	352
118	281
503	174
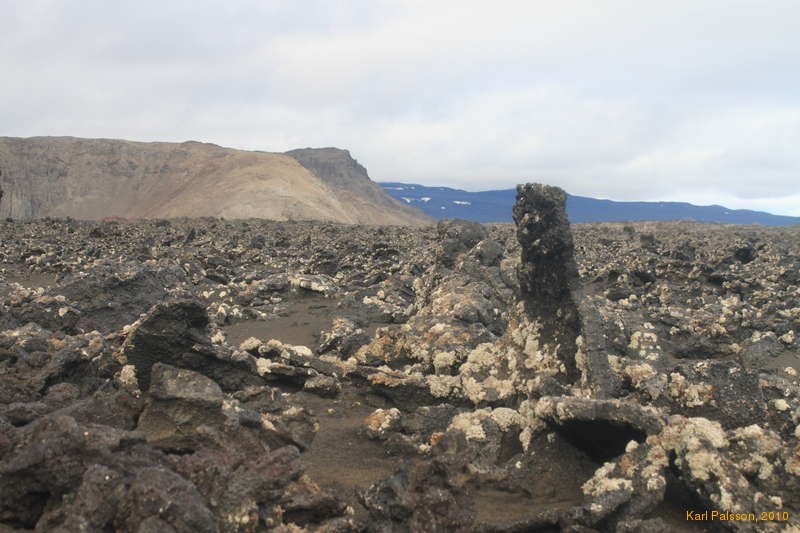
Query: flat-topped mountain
95	178
495	206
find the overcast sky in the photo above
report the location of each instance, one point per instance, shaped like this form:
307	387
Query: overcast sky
630	100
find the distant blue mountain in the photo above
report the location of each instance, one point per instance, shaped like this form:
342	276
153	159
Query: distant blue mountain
495	206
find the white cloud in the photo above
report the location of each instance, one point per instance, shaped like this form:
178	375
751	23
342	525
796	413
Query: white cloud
618	99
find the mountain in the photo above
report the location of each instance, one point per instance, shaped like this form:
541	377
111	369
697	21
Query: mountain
95	178
495	206
344	174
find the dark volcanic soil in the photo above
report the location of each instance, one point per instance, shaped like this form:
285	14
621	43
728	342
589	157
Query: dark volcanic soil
299	323
26	278
494	506
342	458
213	375
296	322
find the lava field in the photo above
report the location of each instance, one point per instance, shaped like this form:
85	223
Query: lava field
210	375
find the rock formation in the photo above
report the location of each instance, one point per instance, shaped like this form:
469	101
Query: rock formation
548	276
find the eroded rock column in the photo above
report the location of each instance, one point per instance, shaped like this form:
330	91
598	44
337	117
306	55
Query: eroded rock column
548	279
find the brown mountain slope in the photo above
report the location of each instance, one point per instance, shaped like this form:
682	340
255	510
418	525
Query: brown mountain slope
93	178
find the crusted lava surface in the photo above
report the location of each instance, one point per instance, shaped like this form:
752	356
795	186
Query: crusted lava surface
210	375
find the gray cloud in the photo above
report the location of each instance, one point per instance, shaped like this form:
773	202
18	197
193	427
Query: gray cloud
627	100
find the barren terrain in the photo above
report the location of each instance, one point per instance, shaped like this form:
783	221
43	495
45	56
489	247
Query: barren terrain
212	375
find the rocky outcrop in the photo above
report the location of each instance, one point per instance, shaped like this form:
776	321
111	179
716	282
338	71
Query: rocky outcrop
96	178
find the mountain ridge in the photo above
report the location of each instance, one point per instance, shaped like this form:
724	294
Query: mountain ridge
495	206
96	178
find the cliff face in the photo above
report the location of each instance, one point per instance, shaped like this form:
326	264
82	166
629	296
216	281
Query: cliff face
338	169
93	178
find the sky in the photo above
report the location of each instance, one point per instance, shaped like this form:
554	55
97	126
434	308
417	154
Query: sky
694	101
